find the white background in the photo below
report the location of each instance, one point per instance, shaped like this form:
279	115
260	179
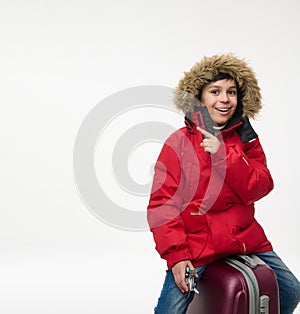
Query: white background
58	60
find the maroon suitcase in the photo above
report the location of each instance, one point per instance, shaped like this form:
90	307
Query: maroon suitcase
237	285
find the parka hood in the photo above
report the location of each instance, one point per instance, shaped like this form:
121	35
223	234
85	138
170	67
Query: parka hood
185	97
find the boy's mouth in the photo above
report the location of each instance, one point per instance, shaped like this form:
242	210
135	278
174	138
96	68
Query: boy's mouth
223	110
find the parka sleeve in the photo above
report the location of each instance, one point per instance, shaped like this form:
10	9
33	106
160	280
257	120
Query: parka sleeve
246	170
165	205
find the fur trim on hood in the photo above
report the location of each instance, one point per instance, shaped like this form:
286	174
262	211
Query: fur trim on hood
205	70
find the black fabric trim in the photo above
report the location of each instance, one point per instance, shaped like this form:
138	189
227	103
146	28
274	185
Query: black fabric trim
236	117
201	117
245	131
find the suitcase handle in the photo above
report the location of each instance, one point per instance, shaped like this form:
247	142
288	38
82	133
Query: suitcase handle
250	260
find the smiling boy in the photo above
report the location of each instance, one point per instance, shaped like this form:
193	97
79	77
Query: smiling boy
207	183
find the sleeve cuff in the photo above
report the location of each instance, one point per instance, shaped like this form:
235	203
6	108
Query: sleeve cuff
177	256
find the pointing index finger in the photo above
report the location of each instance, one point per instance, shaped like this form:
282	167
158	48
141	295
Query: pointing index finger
205	133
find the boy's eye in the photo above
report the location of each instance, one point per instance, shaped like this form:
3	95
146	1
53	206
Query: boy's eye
232	92
214	92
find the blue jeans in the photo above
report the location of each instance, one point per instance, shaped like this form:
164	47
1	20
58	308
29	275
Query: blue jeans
289	286
173	301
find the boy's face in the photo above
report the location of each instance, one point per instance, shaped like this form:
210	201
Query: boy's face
220	98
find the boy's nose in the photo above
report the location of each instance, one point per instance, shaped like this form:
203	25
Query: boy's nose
224	97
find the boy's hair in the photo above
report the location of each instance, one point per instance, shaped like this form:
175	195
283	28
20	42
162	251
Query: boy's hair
222	76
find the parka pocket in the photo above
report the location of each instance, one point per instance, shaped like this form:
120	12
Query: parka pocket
240	219
197	231
251	237
194	221
245	228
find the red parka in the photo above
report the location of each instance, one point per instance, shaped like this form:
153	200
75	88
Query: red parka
202	206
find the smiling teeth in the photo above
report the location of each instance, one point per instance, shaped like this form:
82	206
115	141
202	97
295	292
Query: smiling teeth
223	110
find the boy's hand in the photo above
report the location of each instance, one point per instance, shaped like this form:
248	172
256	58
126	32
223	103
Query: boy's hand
178	271
211	143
